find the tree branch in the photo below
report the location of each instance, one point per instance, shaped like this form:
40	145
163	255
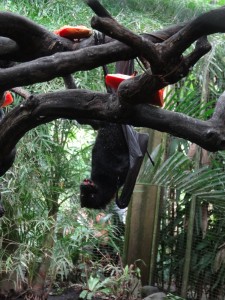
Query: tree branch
7	46
28	40
164	57
62	64
206	24
75	104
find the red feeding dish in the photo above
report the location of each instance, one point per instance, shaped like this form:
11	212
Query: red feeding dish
157	98
73	32
114	80
8	99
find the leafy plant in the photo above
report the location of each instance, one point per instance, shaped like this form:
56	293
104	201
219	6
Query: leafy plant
95	285
126	282
121	283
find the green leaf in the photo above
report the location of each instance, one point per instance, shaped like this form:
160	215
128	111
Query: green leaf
93	283
83	294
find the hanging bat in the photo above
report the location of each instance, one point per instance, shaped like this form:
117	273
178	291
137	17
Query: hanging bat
117	156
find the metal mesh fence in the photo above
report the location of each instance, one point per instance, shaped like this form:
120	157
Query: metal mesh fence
191	247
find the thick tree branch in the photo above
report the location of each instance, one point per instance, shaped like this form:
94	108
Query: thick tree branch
23	40
30	40
86	58
7	46
167	55
206	24
21	92
141	88
75	104
62	64
112	28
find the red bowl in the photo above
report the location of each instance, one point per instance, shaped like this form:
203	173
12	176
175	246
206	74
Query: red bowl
8	99
74	32
114	80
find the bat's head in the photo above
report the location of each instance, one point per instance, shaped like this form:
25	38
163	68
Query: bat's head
88	193
92	195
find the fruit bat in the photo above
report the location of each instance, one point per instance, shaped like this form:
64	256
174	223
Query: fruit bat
117	156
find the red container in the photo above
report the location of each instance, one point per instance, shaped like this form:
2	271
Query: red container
8	99
114	80
74	32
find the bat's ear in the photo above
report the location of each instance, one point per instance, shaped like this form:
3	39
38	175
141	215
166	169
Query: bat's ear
137	145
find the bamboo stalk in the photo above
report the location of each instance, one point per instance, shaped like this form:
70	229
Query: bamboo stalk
154	247
187	259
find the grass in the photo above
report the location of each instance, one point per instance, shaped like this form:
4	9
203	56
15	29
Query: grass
51	14
173	11
137	15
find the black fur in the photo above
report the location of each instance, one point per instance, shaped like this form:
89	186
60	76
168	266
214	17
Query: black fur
6	161
110	154
110	165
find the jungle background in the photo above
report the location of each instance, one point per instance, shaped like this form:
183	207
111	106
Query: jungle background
44	230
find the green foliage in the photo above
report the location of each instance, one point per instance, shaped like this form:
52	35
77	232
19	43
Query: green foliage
52	13
48	177
95	285
124	281
173	11
121	283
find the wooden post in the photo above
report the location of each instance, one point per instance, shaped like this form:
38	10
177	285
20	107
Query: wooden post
140	224
140	227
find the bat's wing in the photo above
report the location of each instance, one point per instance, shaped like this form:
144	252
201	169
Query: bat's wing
137	145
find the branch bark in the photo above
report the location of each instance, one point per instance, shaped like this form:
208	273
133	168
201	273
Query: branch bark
75	104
